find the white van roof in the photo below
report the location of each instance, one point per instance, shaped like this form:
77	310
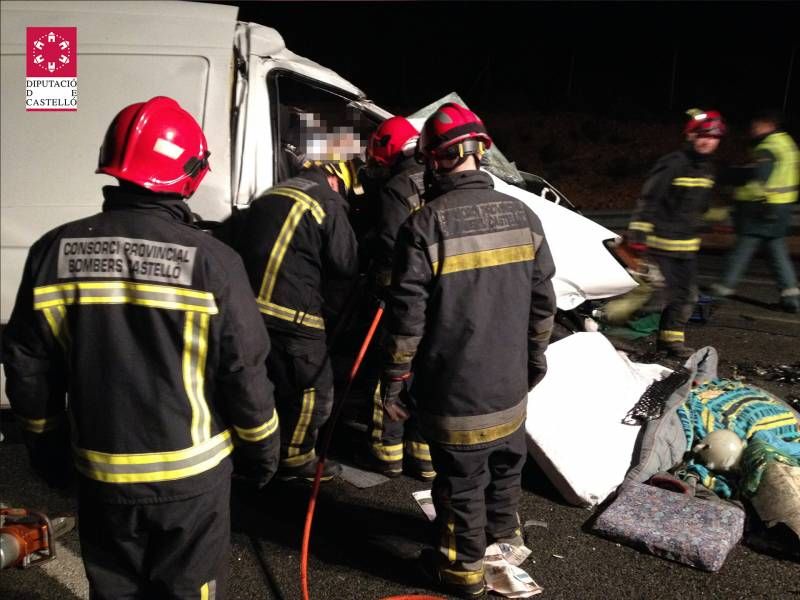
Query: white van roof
177	24
174	25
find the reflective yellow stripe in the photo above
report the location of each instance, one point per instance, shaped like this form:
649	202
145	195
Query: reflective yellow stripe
703	182
309	202
124	292
156	466
303	203
667	335
263	431
300	430
57	320
660	243
195	348
641	226
204	592
202	347
299	460
484	258
279	251
377	415
40	425
461	577
475	436
289	314
419	450
772	422
392	453
449	541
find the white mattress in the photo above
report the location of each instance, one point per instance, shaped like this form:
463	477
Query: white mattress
574	425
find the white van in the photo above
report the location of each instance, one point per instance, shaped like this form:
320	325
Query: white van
237	79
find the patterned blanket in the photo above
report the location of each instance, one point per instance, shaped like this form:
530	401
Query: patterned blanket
767	424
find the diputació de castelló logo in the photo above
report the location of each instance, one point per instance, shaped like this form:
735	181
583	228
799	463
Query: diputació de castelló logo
51	72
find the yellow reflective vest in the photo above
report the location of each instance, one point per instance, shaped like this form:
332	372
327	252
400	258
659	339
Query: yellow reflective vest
782	184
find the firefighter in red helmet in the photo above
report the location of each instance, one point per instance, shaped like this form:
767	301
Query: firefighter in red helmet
668	218
392	446
149	327
470	312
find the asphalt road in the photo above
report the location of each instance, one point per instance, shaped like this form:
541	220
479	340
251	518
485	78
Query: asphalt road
365	541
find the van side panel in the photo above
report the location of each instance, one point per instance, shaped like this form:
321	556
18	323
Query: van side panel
127	52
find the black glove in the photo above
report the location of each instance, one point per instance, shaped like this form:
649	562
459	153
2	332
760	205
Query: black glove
255	464
537	367
392	392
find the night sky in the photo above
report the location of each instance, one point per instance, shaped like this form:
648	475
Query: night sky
512	56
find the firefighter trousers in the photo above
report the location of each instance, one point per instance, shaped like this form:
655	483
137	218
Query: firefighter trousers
476	494
680	296
301	371
169	550
391	441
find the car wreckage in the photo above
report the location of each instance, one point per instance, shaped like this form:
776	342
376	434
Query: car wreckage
237	79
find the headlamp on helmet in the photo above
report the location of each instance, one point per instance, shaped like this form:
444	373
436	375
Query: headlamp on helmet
705	123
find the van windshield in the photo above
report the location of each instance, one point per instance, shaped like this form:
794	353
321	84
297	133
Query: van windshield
316	122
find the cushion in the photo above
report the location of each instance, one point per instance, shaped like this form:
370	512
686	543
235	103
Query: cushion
680	527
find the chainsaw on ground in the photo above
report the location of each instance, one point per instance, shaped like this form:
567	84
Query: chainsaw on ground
27	537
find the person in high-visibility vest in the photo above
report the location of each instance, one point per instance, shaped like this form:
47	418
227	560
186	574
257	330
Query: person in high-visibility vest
763	209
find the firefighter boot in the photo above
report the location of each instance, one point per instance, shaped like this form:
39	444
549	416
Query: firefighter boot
366	460
675	349
306	472
430	566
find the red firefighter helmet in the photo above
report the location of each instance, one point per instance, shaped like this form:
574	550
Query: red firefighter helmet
157	145
393	138
453	131
705	123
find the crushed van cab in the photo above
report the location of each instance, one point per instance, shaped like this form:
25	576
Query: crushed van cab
239	81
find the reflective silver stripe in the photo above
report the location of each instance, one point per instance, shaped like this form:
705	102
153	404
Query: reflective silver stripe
56	317
41	425
303	421
703	182
545	325
124	292
288	314
195	350
478	243
402	348
472	422
263	431
307	201
641	226
152	467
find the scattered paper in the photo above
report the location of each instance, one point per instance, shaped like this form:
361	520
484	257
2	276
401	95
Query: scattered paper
535	523
503	575
423	498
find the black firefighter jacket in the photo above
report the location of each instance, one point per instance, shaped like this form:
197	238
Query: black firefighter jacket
148	327
295	240
471	304
674	199
398	198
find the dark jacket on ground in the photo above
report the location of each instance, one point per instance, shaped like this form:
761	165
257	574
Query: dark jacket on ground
294	240
471	304
674	199
148	326
398	198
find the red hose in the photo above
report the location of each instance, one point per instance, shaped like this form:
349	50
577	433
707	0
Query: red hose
326	442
